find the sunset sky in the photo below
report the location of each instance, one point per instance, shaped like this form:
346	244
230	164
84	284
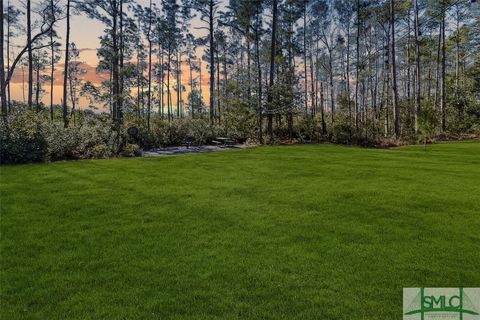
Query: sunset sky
85	33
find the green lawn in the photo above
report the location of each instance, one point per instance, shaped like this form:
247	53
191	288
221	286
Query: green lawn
288	232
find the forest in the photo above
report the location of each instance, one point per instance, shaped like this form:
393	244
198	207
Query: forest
371	73
240	159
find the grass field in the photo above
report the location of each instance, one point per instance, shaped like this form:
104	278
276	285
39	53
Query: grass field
289	232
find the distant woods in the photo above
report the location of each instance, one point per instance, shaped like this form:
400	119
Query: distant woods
278	69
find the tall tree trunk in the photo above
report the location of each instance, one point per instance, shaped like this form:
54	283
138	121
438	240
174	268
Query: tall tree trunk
65	70
322	109
457	50
332	92
348	74
259	70
138	67
386	76
437	75
121	64
418	95
408	82
249	67
149	99
272	69
317	78
115	63
161	84
443	97
357	64
52	62
396	113
312	82
212	61
305	55
2	71
200	85
218	86
291	69
169	96
110	90
179	82
190	68
8	57
30	54
37	86
73	96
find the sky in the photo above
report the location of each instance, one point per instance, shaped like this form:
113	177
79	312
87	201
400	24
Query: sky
85	33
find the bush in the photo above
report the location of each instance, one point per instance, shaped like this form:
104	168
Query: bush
308	129
22	140
175	133
101	151
428	122
92	139
31	137
130	150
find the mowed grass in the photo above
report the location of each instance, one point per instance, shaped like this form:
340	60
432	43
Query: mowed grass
288	232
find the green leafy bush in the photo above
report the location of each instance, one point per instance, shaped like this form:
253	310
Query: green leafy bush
101	151
428	122
22	140
129	150
31	137
81	142
176	132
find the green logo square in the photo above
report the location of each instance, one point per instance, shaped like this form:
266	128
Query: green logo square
441	303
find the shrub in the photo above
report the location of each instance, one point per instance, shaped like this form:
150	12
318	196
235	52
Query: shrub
31	137
175	133
308	130
22	140
101	151
81	142
428	122
130	150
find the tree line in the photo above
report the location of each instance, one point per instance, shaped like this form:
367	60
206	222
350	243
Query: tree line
383	68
